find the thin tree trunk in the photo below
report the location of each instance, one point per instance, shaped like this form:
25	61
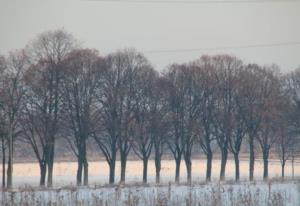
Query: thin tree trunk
188	164
50	163
251	158
43	170
266	165
209	157
79	172
282	169
177	170
123	167
10	161
224	154
157	168
85	164
237	166
145	169
293	167
86	173
3	164
112	166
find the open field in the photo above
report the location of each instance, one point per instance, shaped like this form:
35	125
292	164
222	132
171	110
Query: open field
213	194
27	174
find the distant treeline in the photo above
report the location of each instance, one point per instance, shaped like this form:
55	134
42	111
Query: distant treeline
55	89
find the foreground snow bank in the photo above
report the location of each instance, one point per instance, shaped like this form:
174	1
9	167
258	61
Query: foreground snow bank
258	194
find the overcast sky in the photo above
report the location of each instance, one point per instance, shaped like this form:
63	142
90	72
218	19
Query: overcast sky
205	28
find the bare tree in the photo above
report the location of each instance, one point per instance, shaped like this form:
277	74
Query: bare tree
271	107
249	107
47	53
3	129
239	125
181	116
206	88
12	92
82	78
227	69
288	144
117	99
141	125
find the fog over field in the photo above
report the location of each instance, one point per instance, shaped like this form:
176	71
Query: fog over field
27	174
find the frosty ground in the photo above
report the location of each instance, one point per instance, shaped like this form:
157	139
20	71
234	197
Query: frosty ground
206	194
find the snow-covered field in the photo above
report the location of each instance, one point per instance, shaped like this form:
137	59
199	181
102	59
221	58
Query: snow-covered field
213	194
27	174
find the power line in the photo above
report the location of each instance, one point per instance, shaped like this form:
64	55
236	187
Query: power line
199	1
222	48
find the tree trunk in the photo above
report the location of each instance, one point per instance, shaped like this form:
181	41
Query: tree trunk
145	169
177	170
282	169
85	163
86	173
224	154
43	170
157	168
237	166
123	167
112	167
10	161
251	158
209	157
3	164
50	163
293	167
266	166
79	172
188	164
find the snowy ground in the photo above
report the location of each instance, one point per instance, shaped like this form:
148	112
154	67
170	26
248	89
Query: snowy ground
27	174
213	194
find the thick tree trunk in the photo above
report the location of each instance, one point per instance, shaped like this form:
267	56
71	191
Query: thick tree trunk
145	169
157	168
43	170
209	157
251	158
3	164
237	166
123	167
224	154
50	163
266	165
177	170
79	172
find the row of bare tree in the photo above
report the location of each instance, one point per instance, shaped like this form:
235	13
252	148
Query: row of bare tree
55	89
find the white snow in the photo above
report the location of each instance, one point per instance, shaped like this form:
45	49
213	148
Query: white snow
223	194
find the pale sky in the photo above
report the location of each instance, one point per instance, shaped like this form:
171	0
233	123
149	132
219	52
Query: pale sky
206	28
